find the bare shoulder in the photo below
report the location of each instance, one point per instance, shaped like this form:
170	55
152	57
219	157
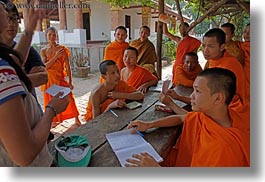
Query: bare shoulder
98	91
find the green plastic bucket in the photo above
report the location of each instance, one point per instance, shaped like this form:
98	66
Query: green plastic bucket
73	151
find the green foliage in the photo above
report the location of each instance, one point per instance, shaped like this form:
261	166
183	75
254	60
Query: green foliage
127	3
240	21
169	46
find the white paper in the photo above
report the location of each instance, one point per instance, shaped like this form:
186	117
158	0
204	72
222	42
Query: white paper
124	144
165	86
128	152
54	89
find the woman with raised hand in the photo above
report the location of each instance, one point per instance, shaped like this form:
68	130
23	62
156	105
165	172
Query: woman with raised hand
23	130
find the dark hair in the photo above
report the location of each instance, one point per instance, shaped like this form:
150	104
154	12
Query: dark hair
192	54
221	80
133	49
51	29
5	54
103	66
120	27
218	33
229	25
146	27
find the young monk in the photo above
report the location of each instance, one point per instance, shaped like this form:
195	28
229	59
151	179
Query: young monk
208	138
213	45
186	73
231	46
185	44
135	75
56	59
111	93
114	51
146	49
245	46
185	76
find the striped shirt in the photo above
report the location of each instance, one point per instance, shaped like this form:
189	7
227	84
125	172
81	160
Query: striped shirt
10	84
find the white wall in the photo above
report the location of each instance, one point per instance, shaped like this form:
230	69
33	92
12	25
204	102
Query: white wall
99	20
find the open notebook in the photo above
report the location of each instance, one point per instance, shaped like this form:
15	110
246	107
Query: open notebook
125	144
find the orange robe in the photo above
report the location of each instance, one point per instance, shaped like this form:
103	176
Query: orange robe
240	102
139	76
114	51
146	50
233	49
56	75
187	44
186	78
120	87
245	46
204	143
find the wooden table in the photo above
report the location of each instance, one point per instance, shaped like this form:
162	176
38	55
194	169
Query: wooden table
96	129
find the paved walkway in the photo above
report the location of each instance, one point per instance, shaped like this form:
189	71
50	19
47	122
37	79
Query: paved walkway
82	89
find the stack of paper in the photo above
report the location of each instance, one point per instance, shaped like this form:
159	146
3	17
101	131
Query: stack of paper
54	89
125	144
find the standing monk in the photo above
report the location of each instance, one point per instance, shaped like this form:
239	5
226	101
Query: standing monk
114	51
146	49
185	44
56	59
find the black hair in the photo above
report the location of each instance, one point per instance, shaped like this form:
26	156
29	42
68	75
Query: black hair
121	27
133	49
103	66
5	55
218	33
220	80
229	25
192	54
146	27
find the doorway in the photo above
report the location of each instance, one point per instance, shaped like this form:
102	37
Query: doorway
128	25
86	24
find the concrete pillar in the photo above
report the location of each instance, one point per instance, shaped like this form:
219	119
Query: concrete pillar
116	14
146	15
62	14
78	14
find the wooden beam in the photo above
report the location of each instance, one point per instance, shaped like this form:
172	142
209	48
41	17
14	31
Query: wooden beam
209	12
159	39
244	6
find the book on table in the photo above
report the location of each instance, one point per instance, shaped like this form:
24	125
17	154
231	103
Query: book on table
125	143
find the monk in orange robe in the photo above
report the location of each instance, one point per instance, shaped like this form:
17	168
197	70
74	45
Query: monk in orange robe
208	138
114	51
56	59
112	93
185	45
231	46
186	73
146	50
135	75
245	46
213	51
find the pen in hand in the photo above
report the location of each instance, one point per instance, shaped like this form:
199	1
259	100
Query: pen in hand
134	129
